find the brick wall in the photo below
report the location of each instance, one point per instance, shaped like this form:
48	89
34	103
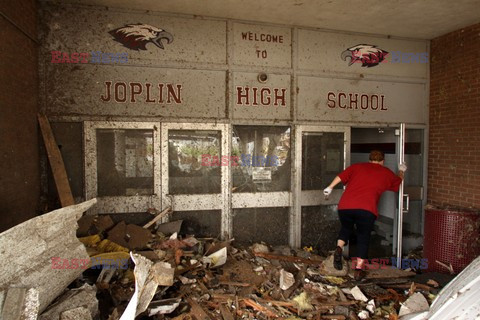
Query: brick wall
19	152
454	153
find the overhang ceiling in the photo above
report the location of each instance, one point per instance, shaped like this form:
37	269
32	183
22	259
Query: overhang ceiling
421	19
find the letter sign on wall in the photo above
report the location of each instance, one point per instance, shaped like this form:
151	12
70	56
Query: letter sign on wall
262	46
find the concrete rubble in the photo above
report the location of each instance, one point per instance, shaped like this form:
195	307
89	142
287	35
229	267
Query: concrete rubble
155	272
72	303
26	252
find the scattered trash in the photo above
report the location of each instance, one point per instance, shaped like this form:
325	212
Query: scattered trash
286	279
258	247
163	306
358	294
302	302
216	259
363	314
449	267
85	297
152	270
371	306
433	283
416	303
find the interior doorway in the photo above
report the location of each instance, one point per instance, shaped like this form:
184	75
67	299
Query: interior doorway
383	240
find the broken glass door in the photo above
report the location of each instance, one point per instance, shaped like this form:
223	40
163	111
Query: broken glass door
122	165
261	174
193	178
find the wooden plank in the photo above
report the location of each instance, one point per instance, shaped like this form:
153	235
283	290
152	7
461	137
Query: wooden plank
158	217
197	310
260	308
56	163
226	314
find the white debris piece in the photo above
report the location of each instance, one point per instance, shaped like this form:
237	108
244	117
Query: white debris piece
416	303
358	294
286	279
258	247
371	306
186	280
363	314
163	306
217	258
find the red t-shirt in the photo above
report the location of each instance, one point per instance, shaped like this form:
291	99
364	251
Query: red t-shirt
365	184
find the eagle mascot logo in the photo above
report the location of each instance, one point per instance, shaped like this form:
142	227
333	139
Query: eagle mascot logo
136	36
368	55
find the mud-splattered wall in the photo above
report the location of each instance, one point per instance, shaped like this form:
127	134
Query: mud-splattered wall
19	151
99	62
125	69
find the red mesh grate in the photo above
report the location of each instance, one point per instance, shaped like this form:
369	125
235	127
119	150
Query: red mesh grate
451	237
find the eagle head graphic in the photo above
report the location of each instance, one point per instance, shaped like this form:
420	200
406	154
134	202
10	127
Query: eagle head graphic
368	55
136	36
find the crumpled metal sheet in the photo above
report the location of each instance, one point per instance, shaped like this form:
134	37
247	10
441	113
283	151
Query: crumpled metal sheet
459	299
148	276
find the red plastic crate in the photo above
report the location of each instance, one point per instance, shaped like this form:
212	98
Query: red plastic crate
451	237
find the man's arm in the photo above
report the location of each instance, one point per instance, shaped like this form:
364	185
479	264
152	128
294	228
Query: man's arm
328	190
335	181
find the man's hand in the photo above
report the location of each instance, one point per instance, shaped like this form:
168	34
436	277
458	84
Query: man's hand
402	167
327	191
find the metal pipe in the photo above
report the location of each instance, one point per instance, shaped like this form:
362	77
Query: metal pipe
401	152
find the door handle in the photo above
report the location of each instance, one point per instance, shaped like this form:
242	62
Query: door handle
406	201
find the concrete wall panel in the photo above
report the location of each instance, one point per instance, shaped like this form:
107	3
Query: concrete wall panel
256	45
71	29
326	99
256	100
90	89
321	52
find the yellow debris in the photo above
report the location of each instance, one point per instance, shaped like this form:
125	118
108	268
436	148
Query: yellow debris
117	259
303	302
335	280
109	246
90	241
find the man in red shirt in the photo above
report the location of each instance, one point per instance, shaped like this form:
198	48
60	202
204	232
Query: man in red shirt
365	183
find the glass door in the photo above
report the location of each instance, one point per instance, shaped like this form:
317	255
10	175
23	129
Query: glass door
321	153
261	183
398	144
195	177
122	166
386	139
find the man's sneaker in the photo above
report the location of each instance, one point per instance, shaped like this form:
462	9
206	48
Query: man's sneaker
359	274
337	259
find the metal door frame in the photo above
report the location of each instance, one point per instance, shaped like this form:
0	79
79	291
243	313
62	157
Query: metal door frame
273	199
311	197
114	204
194	202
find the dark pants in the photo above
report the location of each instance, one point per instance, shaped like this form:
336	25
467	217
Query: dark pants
364	221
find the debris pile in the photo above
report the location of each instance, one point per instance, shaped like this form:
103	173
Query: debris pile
154	272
